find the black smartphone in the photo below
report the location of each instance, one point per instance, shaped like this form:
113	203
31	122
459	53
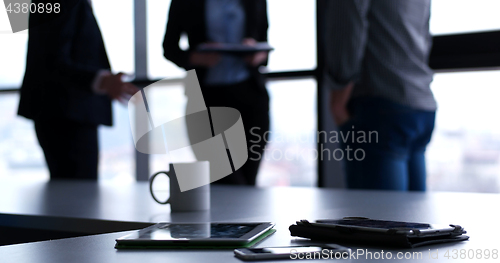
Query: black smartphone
328	251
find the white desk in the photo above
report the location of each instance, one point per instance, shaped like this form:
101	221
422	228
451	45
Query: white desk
94	208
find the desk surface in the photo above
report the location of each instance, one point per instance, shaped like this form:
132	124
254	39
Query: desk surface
56	205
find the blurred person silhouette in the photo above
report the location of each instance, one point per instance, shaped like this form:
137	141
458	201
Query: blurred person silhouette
226	80
68	88
376	63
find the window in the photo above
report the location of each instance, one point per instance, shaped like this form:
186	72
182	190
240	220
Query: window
116	148
12	53
464	16
290	156
292	126
464	153
116	21
465	148
20	154
22	157
292	33
158	66
293	37
168	102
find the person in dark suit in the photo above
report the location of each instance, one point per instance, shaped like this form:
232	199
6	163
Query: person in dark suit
226	80
68	88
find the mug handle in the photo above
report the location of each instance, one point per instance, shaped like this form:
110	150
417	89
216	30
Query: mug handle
151	187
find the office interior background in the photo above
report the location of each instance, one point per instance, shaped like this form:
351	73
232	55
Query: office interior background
464	154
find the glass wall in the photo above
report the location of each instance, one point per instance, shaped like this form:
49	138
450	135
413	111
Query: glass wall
116	21
464	154
464	16
158	66
22	157
117	153
20	154
168	103
116	147
290	157
292	32
12	53
293	103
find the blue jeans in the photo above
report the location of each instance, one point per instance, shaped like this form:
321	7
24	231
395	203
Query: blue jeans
394	145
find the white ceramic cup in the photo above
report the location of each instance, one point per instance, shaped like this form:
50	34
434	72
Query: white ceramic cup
197	199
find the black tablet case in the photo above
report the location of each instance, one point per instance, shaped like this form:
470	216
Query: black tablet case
341	234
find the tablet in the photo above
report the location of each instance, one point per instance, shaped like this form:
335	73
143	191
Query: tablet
235	49
206	234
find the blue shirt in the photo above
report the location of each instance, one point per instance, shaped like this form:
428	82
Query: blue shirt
226	24
383	46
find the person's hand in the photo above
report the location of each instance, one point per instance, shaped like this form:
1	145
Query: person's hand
115	88
338	104
249	41
257	58
128	90
208	59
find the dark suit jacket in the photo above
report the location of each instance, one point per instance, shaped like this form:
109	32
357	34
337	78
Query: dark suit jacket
64	56
188	16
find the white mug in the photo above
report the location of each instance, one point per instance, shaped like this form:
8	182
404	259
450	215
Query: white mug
197	199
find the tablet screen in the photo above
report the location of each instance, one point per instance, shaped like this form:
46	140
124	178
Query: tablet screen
196	231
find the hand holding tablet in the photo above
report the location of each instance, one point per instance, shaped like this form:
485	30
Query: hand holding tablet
235	49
